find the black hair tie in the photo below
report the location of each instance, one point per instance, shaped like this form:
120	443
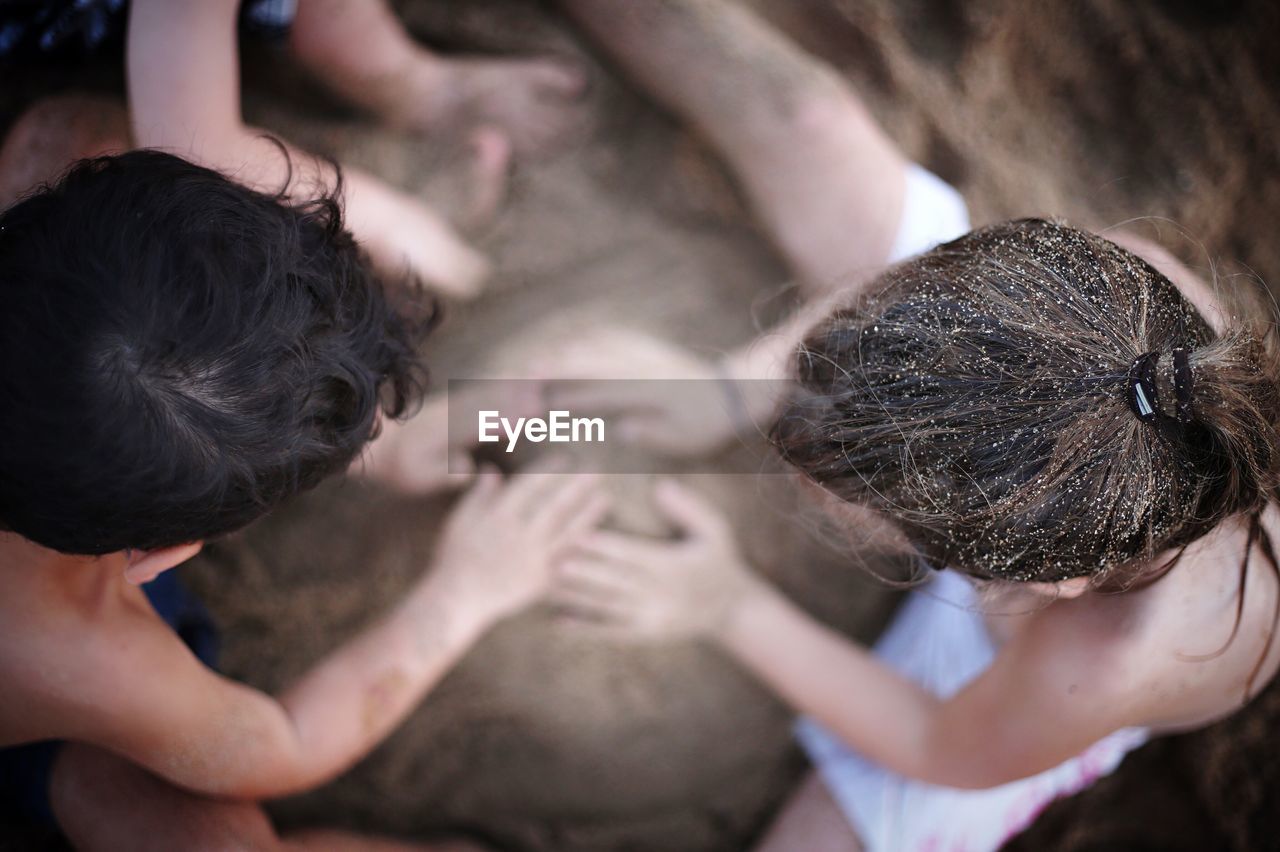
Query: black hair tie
1143	394
1141	388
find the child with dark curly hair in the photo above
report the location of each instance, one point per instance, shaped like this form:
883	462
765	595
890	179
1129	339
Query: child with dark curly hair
182	59
180	355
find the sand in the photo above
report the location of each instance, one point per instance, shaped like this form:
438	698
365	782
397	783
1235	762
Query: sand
1100	111
542	739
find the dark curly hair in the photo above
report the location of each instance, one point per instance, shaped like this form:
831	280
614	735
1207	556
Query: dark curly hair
179	354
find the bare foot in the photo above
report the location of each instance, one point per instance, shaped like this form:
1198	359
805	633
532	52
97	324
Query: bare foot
432	249
534	102
403	235
55	132
421	239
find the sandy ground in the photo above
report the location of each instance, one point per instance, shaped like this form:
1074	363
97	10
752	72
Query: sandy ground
1100	111
542	739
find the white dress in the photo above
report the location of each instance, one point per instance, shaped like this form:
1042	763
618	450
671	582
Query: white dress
939	640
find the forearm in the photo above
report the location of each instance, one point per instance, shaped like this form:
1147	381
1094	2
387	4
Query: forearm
324	722
183	74
389	224
495	558
218	737
248	155
377	214
764	368
822	674
348	703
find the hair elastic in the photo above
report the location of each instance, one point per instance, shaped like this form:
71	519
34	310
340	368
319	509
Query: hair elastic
1141	388
1142	393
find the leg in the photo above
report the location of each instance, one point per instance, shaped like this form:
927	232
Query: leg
398	231
54	133
360	50
810	820
822	175
104	802
401	235
324	839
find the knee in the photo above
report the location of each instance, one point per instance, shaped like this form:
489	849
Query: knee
73	125
55	132
103	801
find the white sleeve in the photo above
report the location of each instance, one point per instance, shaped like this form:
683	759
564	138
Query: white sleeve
932	213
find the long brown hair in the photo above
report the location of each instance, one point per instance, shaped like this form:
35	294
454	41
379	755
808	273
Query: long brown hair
977	395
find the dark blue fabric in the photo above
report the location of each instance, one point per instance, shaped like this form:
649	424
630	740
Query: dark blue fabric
25	769
24	781
184	612
80	29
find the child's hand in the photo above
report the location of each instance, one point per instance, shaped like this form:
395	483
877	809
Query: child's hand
659	590
668	400
504	538
431	451
415	456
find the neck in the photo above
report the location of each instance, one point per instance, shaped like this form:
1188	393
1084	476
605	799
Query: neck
24	561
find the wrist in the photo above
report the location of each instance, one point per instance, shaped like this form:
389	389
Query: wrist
458	619
756	397
749	592
740	422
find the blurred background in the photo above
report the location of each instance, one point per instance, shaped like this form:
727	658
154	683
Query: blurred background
1099	111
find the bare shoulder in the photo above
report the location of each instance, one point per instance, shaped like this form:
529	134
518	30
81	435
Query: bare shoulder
78	645
1220	616
1188	649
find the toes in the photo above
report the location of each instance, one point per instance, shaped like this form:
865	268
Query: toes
559	78
490	167
446	263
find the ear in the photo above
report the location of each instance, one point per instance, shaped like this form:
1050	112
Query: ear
145	565
1073	588
1061	590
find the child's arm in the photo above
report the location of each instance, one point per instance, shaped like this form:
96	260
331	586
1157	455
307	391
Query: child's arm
419	455
1047	697
431	451
184	97
184	94
1036	706
211	735
744	388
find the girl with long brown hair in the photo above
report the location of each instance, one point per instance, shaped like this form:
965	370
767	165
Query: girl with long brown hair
1079	446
